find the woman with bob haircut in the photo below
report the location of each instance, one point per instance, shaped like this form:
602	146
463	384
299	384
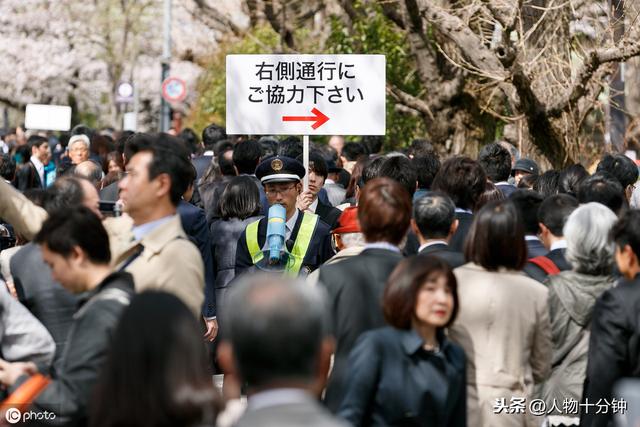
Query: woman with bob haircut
504	326
410	374
156	373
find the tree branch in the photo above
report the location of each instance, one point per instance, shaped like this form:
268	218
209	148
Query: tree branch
219	21
466	40
410	101
592	62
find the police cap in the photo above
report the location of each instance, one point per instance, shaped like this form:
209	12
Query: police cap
280	169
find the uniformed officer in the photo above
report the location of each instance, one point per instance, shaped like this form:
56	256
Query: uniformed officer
307	237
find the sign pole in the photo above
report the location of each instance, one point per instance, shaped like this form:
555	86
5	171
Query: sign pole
305	161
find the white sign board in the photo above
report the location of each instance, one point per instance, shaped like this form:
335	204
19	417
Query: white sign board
130	121
306	94
47	117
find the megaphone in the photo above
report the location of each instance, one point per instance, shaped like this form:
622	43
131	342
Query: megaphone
276	258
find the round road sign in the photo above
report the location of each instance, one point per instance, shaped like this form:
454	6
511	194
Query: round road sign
174	89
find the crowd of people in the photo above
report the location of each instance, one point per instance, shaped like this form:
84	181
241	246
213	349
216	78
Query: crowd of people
402	288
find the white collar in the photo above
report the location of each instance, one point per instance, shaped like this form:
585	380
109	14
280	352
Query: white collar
503	183
329	181
292	222
460	210
37	163
560	244
313	206
531	238
276	397
431	243
140	231
382	245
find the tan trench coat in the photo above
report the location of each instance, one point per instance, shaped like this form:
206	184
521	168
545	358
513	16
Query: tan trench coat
503	326
169	261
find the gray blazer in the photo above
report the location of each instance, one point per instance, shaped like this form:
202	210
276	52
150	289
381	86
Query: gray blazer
308	413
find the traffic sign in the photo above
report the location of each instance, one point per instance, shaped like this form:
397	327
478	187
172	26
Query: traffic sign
174	89
306	94
124	93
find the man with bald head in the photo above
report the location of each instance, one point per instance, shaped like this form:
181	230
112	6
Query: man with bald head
91	171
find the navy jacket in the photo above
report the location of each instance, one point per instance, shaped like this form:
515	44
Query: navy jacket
445	253
535	248
556	256
394	381
194	222
354	287
464	225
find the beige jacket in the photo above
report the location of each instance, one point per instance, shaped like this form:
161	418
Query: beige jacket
169	261
503	326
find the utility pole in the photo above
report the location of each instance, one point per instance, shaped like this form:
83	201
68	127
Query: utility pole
165	109
616	118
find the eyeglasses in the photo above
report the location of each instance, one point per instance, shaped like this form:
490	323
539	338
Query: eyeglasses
274	191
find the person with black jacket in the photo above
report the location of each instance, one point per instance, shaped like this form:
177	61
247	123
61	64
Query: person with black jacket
76	246
615	326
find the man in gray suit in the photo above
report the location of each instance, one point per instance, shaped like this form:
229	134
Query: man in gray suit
275	340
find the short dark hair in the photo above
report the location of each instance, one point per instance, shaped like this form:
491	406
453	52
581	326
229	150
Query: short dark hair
490	193
426	166
462	179
400	168
317	164
421	147
571	178
496	161
226	164
170	157
496	237
36	141
78	226
7	167
240	199
291	146
246	156
604	189
191	140
65	193
373	143
401	291
268	146
619	167
554	211
212	134
275	326
527	202
626	231
547	183
434	213
371	170
384	211
353	150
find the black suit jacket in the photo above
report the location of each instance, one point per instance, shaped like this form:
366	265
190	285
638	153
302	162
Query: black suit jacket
444	252
201	164
535	248
557	256
464	224
614	346
328	214
46	299
195	225
318	252
27	177
354	286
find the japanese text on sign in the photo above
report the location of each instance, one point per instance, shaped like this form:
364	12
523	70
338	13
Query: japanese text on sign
306	94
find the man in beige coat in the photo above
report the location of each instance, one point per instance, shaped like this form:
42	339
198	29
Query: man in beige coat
149	241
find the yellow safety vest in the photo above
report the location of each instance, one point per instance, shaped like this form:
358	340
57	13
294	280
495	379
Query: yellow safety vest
300	247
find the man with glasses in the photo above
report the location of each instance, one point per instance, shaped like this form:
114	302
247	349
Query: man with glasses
307	237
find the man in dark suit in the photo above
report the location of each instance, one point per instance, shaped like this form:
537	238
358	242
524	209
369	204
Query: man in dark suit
462	179
307	237
277	344
528	202
434	223
355	285
615	329
552	215
32	173
309	199
246	158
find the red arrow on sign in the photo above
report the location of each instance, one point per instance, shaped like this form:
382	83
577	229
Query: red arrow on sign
318	118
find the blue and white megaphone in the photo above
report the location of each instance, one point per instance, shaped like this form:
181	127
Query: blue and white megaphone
276	257
276	232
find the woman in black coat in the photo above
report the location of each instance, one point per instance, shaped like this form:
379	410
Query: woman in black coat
410	374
